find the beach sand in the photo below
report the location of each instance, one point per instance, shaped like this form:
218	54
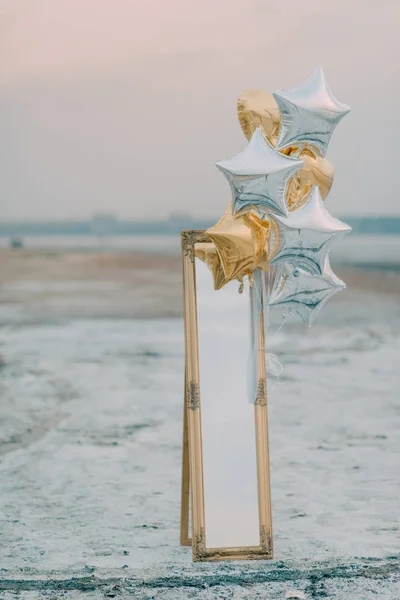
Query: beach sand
115	284
73	284
91	388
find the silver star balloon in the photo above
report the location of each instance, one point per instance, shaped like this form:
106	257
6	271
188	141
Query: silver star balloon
258	177
303	292
306	234
309	114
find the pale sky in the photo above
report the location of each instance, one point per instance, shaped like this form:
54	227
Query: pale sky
125	105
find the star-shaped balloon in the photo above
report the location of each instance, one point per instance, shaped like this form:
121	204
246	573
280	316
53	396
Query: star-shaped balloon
306	235
309	115
241	244
259	109
303	292
208	253
259	176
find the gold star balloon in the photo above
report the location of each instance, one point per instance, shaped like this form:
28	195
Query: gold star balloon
239	245
207	252
259	109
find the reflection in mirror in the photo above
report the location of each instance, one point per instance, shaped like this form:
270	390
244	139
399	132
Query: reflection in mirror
228	430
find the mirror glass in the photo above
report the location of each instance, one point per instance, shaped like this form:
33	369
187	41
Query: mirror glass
228	430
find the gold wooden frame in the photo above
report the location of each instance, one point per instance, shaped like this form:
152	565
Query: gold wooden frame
192	455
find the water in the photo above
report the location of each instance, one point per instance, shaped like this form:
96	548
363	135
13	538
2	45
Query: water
361	250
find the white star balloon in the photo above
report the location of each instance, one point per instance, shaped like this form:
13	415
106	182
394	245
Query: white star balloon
303	292
258	177
309	115
305	235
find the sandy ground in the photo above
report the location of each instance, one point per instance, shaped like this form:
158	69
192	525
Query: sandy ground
91	284
73	284
90	438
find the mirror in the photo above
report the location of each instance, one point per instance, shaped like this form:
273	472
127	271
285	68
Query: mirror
225	450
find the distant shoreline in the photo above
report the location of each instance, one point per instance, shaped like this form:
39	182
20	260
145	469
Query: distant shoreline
110	225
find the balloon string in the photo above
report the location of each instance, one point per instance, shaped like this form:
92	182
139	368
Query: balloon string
257	294
274	365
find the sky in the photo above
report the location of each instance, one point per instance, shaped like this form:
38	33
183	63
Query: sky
124	106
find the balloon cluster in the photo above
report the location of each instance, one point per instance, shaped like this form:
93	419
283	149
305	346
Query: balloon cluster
277	222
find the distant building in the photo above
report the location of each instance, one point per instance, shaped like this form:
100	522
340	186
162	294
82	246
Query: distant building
103	224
